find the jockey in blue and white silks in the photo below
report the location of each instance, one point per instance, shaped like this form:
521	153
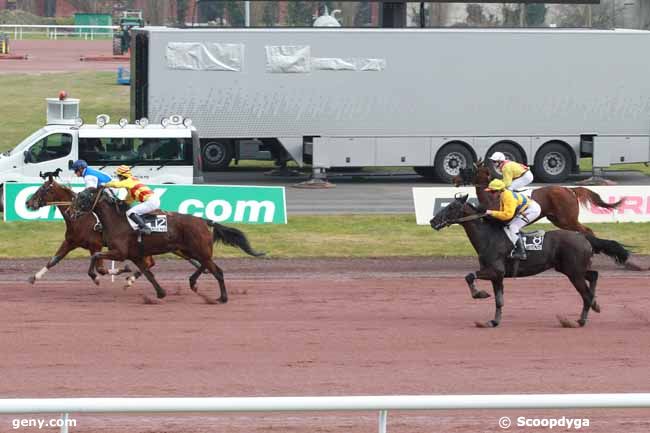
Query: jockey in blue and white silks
92	178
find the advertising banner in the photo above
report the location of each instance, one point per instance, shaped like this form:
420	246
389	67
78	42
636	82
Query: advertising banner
220	203
635	208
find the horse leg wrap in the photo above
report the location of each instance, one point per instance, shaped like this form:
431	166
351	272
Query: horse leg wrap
40	273
470	278
53	261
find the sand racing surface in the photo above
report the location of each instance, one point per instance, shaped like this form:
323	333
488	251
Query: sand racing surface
320	327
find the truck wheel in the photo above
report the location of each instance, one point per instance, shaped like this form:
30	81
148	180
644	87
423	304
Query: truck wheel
117	46
511	151
450	159
216	155
552	163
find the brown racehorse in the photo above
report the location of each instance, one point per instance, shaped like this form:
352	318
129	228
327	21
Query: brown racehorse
561	205
187	234
84	233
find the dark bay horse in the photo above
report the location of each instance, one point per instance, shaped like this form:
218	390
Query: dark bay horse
561	205
568	252
85	232
187	234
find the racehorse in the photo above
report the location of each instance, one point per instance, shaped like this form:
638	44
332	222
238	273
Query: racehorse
186	234
568	252
85	232
559	204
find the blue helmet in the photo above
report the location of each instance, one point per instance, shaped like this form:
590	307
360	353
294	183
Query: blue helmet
79	164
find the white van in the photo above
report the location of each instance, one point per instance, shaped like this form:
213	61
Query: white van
158	154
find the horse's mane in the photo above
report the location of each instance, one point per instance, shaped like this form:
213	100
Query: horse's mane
120	205
65	188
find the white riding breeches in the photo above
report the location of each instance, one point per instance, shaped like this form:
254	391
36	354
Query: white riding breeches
522	220
145	207
521	181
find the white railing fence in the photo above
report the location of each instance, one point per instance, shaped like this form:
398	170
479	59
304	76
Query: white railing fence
382	404
56	31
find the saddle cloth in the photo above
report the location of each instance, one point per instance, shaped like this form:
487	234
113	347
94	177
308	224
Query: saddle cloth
534	241
157	223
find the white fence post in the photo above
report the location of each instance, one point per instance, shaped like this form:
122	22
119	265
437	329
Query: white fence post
64	420
383	419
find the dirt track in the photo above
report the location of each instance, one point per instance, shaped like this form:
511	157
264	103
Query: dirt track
320	327
58	56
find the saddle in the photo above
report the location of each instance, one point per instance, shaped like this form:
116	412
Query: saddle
156	221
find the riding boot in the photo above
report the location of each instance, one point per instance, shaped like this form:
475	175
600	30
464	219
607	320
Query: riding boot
519	251
144	229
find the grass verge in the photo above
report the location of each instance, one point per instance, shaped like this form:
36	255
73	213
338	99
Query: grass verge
319	236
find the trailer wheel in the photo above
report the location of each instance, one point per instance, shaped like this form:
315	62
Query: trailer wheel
450	159
552	163
217	154
117	45
511	151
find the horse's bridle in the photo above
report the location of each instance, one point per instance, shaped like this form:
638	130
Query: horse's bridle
42	202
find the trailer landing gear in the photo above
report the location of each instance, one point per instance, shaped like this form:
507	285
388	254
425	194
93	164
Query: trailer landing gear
318	181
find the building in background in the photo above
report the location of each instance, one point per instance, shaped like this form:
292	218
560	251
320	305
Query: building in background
364	13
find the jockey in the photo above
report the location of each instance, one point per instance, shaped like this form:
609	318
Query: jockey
517	210
137	192
515	175
92	178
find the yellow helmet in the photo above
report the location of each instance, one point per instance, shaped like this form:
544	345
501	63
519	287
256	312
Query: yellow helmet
123	170
496	185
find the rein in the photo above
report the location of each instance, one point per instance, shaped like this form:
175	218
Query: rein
467	218
99	194
58	203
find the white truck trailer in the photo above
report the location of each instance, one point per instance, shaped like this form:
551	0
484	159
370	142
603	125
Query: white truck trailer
433	99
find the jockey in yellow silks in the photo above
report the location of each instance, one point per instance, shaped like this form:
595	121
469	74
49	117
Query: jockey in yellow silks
515	175
137	192
517	211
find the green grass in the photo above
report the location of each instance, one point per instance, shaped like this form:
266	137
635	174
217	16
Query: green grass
585	165
319	236
22	100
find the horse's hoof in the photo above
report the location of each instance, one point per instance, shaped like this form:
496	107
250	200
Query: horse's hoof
595	307
631	266
161	294
208	300
223	300
31	279
195	288
481	294
96	281
582	322
566	323
484	324
148	300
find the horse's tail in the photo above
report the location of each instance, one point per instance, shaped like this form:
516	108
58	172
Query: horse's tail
232	237
612	249
585	195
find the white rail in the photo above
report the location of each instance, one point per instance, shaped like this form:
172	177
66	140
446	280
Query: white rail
321	404
55	31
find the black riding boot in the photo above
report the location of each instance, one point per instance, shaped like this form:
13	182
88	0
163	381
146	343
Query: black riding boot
519	251
144	229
